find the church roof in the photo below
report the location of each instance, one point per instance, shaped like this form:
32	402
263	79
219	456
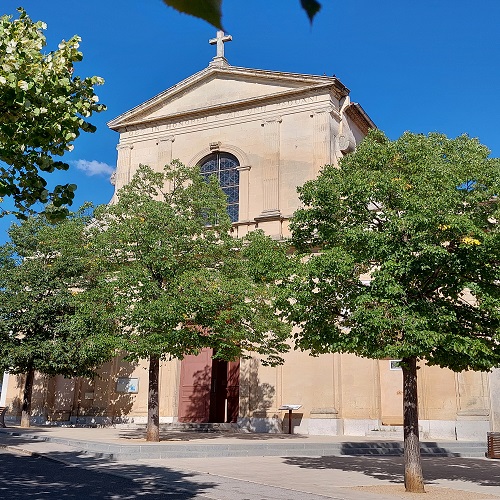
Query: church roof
255	87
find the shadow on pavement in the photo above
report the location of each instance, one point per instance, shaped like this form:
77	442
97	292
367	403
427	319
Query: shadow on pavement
139	434
24	477
393	448
479	471
166	436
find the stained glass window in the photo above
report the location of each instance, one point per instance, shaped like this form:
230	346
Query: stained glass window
225	167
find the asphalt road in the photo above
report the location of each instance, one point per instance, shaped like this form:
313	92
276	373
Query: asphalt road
37	478
23	477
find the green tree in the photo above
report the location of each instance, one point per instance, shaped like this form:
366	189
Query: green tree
179	281
211	10
45	325
408	266
43	108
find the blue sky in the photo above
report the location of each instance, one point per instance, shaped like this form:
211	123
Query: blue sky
419	66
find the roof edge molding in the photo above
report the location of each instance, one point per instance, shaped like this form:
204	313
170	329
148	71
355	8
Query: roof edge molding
359	116
217	108
307	82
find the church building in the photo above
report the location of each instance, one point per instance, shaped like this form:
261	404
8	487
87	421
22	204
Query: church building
263	133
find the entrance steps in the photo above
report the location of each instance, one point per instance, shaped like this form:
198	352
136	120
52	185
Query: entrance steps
200	427
189	427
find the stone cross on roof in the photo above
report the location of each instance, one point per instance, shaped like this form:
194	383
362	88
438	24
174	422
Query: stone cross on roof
219	41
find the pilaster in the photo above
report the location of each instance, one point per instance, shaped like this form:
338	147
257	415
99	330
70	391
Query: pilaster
244	202
473	416
123	165
270	171
164	152
494	384
322	150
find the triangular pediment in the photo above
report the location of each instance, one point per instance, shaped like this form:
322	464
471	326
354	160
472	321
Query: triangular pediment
215	88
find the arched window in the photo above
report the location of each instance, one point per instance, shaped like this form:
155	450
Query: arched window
225	167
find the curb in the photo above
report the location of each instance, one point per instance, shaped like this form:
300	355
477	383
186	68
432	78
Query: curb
117	451
46	456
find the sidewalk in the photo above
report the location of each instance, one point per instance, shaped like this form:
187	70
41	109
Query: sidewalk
278	466
128	443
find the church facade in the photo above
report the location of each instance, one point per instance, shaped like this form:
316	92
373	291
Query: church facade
264	133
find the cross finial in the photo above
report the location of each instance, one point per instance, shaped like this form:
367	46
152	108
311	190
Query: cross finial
219	41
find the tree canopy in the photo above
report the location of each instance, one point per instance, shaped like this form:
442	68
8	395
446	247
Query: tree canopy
211	10
180	282
408	267
45	325
43	108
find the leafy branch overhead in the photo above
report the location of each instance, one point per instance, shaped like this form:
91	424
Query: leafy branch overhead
211	10
43	108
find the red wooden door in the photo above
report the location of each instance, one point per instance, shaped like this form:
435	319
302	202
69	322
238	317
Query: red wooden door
233	391
209	389
194	390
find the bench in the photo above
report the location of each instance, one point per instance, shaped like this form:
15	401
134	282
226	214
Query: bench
3	410
493	445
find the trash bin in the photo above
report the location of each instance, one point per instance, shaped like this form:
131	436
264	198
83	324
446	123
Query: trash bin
493	445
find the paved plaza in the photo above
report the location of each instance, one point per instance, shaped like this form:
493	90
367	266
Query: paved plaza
275	467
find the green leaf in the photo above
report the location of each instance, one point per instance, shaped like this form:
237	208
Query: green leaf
312	7
209	10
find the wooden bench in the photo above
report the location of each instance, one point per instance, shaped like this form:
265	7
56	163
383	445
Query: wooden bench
493	445
3	410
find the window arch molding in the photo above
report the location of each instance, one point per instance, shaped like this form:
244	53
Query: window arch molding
244	170
223	148
225	168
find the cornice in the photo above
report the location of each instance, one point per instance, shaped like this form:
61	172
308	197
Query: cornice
224	108
310	82
359	116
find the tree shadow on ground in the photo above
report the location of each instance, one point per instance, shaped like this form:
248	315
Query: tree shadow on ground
134	435
24	477
480	471
165	435
393	448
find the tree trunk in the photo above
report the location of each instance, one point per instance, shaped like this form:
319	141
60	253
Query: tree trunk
414	479
28	390
153	426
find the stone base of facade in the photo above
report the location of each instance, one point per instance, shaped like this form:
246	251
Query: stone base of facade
449	430
472	430
261	425
359	427
318	426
